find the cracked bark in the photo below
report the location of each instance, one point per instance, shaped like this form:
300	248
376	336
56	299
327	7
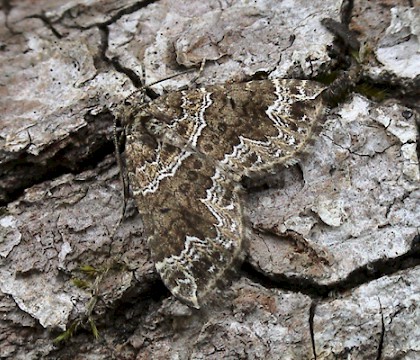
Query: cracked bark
352	201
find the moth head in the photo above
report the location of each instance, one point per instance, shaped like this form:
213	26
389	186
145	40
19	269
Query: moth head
126	110
154	127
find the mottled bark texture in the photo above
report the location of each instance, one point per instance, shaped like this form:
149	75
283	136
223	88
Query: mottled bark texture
332	268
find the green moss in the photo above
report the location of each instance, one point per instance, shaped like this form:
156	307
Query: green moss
64	336
372	92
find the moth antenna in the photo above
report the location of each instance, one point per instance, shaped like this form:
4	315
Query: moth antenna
144	87
203	64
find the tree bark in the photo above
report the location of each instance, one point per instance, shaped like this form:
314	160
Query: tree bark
332	268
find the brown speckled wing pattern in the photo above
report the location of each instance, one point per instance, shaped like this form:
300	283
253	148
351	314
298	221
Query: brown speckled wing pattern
187	154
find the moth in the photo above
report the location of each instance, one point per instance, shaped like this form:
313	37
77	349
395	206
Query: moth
188	155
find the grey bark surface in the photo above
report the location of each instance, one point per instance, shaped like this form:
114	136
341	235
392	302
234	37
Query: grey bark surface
333	259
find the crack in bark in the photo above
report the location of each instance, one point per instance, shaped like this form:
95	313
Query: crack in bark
118	15
128	10
6	6
382	335
117	66
312	309
359	154
76	153
362	275
47	22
